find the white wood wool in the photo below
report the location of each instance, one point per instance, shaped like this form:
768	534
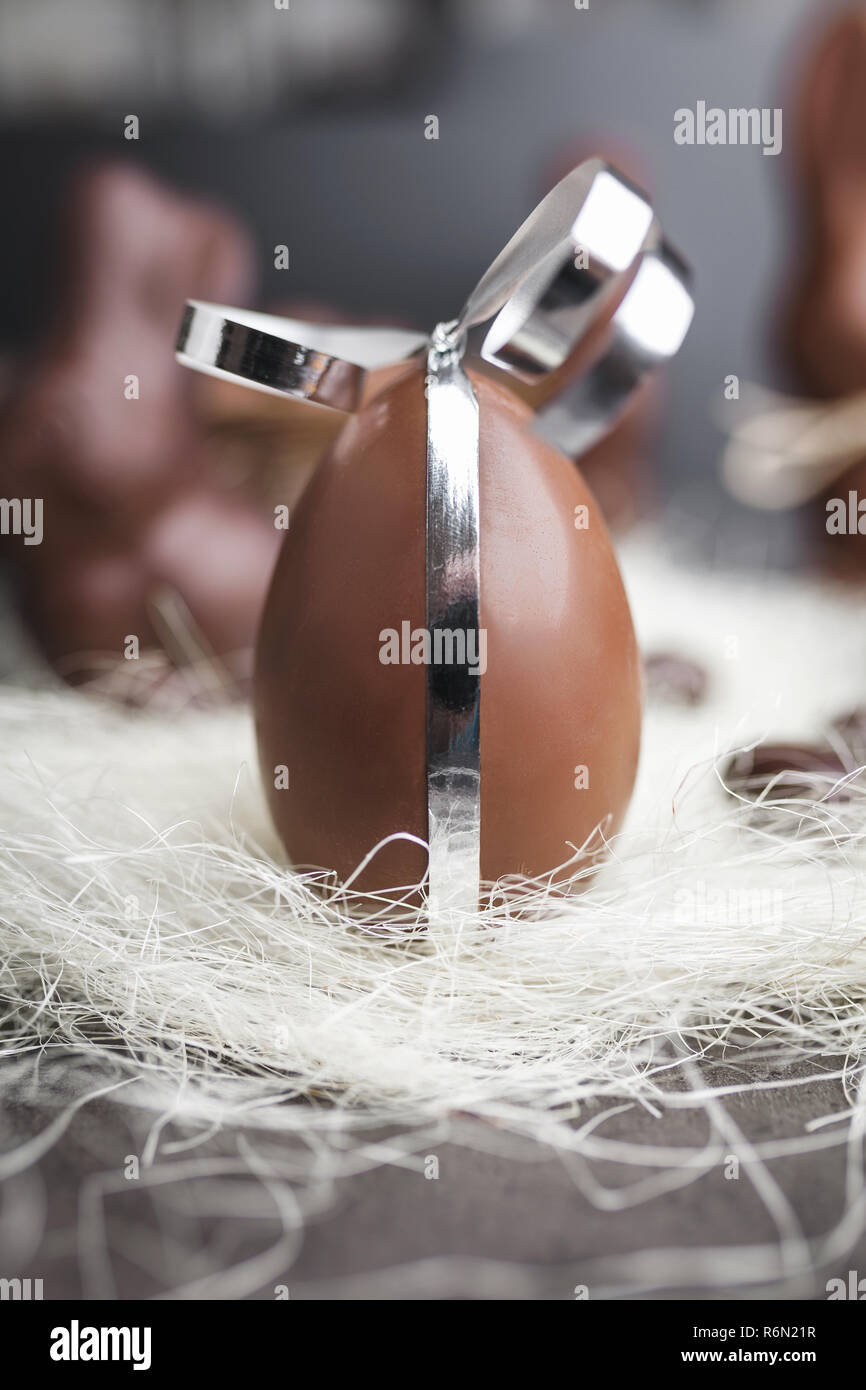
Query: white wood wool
147	916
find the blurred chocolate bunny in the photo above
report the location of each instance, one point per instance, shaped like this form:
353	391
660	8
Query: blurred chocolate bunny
141	538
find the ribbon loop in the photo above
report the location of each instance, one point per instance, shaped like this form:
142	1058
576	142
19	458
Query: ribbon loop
559	270
647	330
325	364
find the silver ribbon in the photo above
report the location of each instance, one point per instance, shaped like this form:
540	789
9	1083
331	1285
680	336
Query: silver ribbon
591	257
453	618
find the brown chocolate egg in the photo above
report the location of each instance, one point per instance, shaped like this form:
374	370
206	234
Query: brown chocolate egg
342	736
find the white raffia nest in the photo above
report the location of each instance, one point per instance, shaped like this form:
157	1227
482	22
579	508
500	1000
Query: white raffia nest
148	918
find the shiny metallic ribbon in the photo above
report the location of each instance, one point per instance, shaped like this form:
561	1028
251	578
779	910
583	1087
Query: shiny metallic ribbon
590	254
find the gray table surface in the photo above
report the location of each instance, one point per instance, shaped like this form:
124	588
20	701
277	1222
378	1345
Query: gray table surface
492	1226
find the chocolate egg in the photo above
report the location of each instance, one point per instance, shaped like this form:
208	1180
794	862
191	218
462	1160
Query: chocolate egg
342	735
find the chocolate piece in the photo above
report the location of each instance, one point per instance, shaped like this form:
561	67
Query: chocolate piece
674	679
560	698
775	772
851	728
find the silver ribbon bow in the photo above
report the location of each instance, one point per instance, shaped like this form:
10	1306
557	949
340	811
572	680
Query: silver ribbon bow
593	243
